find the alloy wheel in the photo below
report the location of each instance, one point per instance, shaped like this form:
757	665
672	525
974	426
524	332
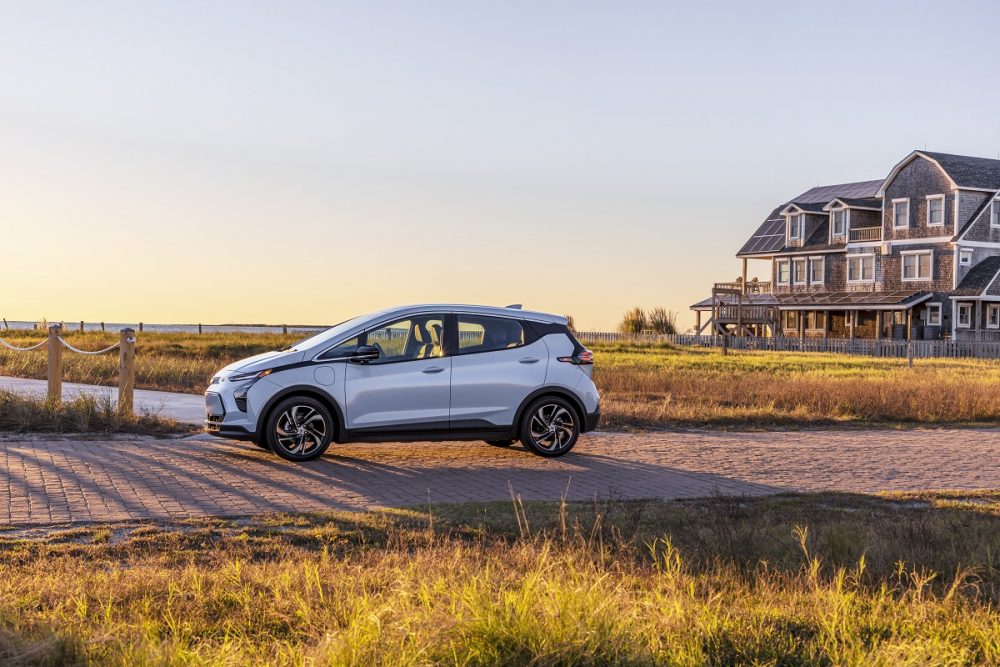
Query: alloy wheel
552	427
300	429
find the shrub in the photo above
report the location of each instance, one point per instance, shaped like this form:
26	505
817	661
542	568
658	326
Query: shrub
663	321
633	322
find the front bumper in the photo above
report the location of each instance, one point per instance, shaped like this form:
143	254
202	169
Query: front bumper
215	418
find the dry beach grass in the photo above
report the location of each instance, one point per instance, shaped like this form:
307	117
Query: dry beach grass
788	580
643	386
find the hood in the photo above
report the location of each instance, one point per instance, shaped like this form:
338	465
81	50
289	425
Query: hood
260	362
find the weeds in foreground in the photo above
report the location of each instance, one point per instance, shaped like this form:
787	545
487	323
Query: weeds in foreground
782	581
83	414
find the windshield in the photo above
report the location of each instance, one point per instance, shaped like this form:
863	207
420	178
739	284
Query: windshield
326	334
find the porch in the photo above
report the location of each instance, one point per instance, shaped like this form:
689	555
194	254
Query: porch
976	319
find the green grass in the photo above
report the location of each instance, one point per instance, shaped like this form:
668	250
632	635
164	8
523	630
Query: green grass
643	386
787	580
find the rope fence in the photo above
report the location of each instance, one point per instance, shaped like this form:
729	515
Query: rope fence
55	343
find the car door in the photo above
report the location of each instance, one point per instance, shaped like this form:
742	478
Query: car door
408	388
494	369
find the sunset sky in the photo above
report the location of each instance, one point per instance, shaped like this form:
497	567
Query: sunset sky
305	162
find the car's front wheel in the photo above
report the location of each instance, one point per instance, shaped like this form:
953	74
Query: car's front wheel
299	428
550	427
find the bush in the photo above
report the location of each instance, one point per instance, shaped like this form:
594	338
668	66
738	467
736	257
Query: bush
633	322
663	321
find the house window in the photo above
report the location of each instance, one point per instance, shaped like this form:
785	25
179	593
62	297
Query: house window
815	320
790	320
935	210
861	268
799	271
816	270
795	227
934	314
782	272
917	266
900	213
993	316
965	315
839	222
965	258
995	213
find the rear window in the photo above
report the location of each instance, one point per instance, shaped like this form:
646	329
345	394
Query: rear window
488	334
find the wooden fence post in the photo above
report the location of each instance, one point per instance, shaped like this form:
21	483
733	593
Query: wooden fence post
81	325
909	353
55	364
199	328
126	371
725	344
140	327
284	329
102	327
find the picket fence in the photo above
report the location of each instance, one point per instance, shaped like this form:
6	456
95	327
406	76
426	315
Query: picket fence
920	349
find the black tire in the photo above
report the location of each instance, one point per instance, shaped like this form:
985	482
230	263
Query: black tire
501	443
299	428
550	426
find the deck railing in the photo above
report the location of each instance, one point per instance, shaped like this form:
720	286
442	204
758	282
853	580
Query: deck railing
752	287
866	234
745	313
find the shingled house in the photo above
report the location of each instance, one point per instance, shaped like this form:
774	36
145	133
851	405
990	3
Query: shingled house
916	255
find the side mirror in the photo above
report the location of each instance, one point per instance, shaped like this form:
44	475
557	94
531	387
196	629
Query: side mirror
364	354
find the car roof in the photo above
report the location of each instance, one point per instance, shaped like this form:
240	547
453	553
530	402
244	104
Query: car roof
470	309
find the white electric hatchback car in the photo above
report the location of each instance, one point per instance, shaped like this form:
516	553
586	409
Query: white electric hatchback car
431	372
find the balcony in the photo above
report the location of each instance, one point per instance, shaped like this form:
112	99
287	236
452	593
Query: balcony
866	234
752	287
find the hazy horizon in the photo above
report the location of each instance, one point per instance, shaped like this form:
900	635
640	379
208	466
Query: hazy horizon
182	162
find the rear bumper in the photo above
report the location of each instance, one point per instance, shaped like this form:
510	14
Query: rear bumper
591	420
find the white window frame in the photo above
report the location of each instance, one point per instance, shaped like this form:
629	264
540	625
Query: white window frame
993	312
895	218
861	257
917	277
805	271
995	213
931	198
822	270
777	271
795	223
967	308
833	221
933	315
964	257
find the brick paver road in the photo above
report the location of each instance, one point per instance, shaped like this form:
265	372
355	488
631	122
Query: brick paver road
61	481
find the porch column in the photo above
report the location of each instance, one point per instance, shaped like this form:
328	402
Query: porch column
744	275
954	319
976	307
826	324
852	318
697	321
909	324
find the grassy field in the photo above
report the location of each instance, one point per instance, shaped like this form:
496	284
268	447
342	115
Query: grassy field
788	580
651	386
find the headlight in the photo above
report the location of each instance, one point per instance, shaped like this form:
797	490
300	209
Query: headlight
255	375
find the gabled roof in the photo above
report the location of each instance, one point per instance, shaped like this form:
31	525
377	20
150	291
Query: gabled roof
770	236
816	207
850	202
974	173
979	278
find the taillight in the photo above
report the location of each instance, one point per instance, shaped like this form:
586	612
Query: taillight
581	358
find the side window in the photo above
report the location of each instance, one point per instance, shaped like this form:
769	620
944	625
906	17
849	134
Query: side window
341	350
488	334
409	339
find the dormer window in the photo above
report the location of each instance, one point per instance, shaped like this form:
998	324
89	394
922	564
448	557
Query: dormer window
965	258
795	224
839	221
935	210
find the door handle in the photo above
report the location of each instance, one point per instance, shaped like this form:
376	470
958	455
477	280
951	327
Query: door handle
434	369
529	360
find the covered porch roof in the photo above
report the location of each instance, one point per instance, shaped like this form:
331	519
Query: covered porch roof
889	300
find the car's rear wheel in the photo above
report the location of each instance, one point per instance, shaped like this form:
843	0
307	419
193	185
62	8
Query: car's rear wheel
550	426
299	428
501	443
